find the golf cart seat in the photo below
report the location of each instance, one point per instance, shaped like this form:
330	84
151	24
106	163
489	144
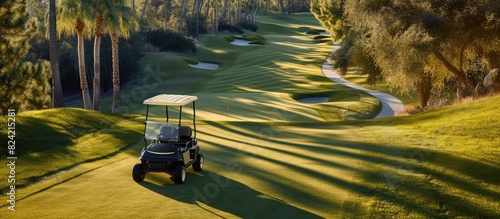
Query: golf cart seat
167	132
185	140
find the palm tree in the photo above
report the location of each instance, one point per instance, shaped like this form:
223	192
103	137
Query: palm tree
73	14
99	9
57	92
118	24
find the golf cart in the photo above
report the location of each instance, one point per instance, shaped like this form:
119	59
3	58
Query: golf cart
169	147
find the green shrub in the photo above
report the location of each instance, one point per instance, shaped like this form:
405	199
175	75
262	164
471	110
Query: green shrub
248	26
230	28
168	40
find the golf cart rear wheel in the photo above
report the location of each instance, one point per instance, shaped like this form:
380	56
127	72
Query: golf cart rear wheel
138	173
199	163
179	175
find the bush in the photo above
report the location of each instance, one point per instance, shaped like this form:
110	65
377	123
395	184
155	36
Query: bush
248	26
168	40
229	28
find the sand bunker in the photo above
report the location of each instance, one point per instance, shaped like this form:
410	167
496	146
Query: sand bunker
204	65
239	42
314	100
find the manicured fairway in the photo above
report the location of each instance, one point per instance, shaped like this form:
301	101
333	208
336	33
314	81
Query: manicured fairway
398	167
252	171
259	83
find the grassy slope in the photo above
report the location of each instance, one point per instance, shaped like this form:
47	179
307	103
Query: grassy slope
49	141
410	100
441	163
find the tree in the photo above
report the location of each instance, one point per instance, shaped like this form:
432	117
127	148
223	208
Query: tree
282	7
330	13
411	40
267	5
121	21
23	83
57	91
101	10
73	15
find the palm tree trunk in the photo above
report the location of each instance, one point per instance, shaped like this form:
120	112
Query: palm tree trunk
87	104
57	92
97	74
97	63
116	73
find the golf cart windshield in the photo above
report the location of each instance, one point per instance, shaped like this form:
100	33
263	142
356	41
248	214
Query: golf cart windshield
161	131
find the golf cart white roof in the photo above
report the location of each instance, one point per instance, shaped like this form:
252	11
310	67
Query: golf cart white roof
170	100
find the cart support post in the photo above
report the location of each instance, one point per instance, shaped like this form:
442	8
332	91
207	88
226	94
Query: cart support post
194	119
180	115
145	126
166	112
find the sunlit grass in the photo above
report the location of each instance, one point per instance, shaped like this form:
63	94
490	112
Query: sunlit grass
252	79
409	99
49	141
450	157
394	167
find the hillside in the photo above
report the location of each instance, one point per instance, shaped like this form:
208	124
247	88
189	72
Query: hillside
439	163
50	141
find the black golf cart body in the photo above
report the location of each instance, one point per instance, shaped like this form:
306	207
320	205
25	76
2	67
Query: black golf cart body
169	147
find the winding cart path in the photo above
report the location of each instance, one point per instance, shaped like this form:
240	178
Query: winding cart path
391	106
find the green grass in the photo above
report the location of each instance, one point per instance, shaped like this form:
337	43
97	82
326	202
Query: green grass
270	156
443	164
256	76
396	167
409	99
50	141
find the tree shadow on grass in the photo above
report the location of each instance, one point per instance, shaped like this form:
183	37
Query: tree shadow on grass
401	175
227	195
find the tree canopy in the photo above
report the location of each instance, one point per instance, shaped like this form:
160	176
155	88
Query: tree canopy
330	13
439	39
24	81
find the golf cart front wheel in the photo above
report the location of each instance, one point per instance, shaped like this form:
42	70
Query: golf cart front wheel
199	163
179	175
138	173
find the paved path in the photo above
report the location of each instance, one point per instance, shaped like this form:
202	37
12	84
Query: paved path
391	106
